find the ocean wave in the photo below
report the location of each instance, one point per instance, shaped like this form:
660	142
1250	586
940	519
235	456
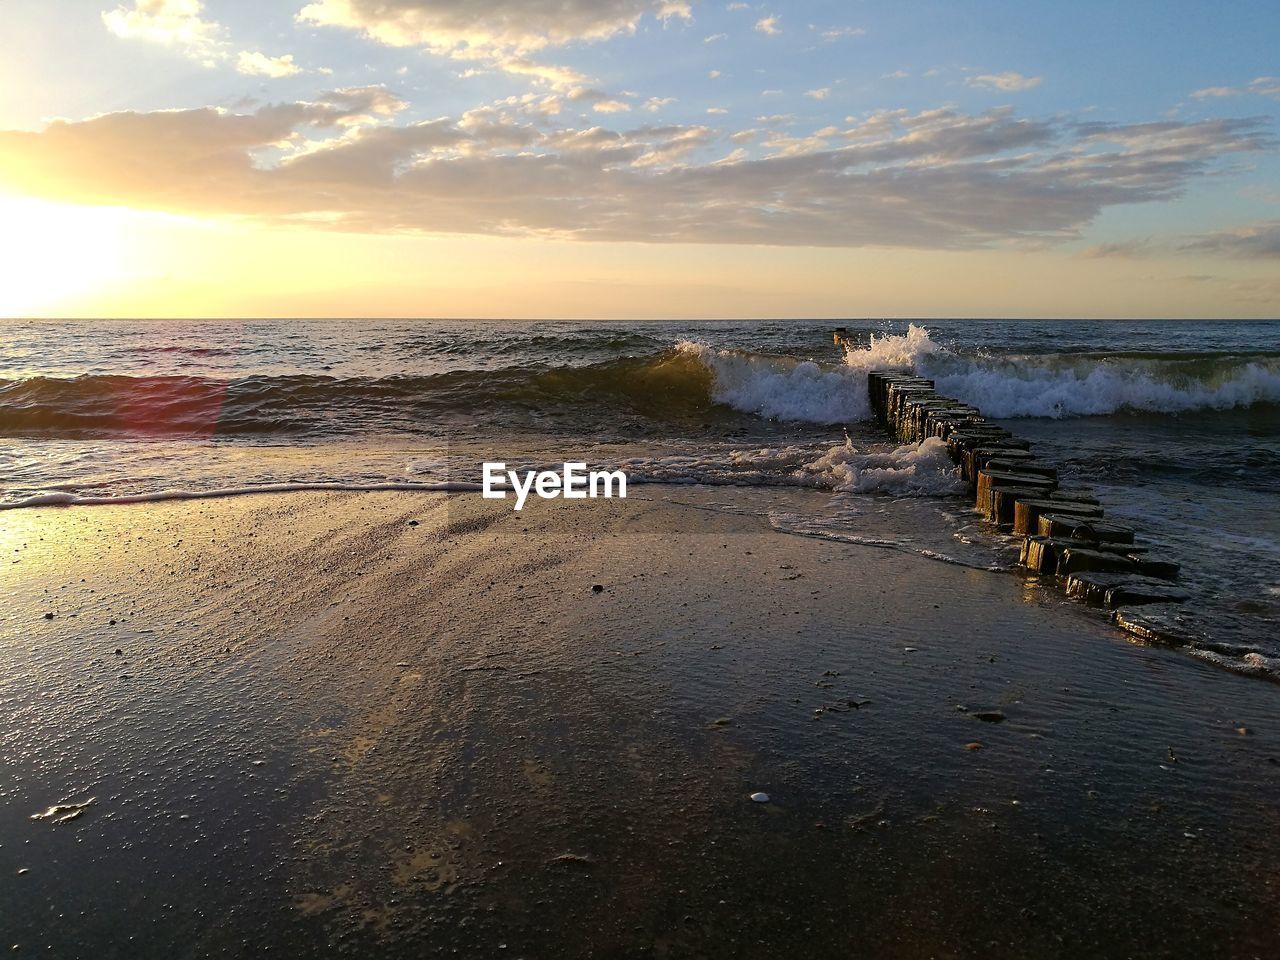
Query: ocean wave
1005	386
1065	386
781	388
784	388
668	386
690	383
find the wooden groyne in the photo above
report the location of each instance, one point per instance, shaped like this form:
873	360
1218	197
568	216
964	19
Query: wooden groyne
1064	531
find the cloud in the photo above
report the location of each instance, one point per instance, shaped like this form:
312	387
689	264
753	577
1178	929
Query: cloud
769	25
1259	87
1173	140
717	110
654	104
831	34
782	145
820	94
1208	92
255	64
556	77
173	23
502	33
350	161
181	24
1010	82
716	37
488	28
1124	249
1265	87
600	101
1254	241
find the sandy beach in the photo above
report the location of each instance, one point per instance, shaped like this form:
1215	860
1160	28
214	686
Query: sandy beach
382	724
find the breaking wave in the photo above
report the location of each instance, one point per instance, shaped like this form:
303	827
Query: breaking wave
782	388
1009	386
688	383
1064	386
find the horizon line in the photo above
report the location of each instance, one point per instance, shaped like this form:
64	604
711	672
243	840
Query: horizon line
552	319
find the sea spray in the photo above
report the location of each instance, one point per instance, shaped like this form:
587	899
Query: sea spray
923	469
1007	386
784	388
889	351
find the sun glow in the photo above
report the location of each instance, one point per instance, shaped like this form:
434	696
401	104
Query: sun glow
52	252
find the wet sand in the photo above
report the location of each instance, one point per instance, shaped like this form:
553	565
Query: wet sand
327	731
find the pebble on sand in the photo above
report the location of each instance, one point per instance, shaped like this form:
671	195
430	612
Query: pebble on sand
760	798
597	588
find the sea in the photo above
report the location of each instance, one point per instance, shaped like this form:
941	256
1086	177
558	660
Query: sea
1175	425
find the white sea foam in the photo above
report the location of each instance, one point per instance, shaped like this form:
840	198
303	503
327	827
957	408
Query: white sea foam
891	351
863	530
905	471
780	388
786	389
1052	385
924	469
79	500
914	470
1252	664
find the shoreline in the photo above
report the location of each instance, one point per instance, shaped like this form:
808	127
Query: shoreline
1188	627
333	731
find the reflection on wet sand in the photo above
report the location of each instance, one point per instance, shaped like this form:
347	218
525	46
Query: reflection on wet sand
328	732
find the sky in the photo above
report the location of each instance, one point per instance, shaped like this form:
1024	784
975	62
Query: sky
620	159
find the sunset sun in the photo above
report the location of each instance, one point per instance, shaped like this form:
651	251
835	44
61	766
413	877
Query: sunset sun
53	253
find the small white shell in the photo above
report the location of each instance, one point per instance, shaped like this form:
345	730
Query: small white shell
760	797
